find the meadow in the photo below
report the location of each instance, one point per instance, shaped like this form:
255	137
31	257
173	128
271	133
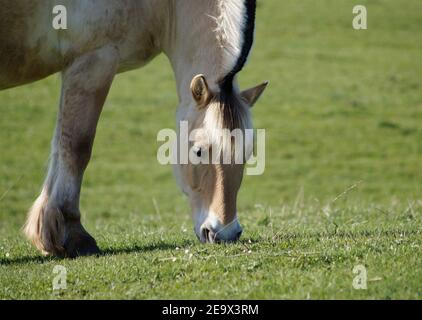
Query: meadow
342	186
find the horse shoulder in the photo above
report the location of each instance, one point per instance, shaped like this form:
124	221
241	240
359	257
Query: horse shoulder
28	46
31	49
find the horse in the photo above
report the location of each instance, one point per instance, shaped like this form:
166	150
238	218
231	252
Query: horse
207	43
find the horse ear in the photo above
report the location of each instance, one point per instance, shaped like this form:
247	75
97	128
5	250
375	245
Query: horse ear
200	90
252	95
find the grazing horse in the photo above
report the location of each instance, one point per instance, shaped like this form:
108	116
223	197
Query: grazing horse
207	43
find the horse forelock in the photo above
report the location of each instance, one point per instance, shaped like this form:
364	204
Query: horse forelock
233	112
224	116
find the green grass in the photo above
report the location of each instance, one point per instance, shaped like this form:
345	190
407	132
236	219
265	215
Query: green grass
342	186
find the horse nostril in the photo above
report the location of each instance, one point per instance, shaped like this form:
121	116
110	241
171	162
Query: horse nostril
207	235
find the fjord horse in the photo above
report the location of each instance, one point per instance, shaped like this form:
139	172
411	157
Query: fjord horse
207	43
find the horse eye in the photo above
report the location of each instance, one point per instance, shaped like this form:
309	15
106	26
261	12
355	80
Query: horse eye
199	153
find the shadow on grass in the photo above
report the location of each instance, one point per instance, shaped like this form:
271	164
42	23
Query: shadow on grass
159	246
163	246
27	259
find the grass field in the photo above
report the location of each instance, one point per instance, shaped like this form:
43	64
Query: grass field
342	187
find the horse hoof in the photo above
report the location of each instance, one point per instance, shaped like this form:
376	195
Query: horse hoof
80	244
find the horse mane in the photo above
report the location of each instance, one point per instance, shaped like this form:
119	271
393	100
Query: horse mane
235	33
226	33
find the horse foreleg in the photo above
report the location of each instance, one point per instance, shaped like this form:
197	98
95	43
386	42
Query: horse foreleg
54	224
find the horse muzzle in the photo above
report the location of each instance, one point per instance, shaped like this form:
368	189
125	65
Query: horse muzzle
218	233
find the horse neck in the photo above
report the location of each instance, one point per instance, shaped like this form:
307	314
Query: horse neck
196	43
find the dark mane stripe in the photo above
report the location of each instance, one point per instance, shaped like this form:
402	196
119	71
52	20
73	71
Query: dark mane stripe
226	84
